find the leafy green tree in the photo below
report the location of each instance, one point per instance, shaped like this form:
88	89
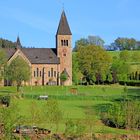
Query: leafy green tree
76	73
18	70
90	40
126	43
80	43
110	78
6	43
93	60
96	40
125	56
103	77
93	78
63	77
120	69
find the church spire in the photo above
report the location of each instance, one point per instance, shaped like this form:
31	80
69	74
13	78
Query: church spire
63	28
18	44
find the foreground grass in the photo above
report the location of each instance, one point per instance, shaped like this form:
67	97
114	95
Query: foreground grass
97	98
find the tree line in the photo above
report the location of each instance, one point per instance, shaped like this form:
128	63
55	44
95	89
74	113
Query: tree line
4	43
121	43
93	64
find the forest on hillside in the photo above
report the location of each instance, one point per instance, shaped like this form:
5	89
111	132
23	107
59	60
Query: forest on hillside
4	43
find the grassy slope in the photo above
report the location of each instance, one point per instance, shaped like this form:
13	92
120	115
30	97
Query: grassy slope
73	106
116	53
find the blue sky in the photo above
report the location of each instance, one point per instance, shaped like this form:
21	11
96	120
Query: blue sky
36	21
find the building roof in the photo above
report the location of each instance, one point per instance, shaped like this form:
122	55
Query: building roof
63	28
9	52
37	55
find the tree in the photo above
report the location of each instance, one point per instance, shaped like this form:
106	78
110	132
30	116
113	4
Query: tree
120	69
2	63
93	60
90	40
103	77
126	43
110	77
96	40
80	43
113	46
6	43
63	77
125	56
76	73
18	70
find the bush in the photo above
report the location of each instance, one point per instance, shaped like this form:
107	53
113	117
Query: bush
130	83
123	115
5	100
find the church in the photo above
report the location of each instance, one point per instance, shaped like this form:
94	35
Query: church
47	64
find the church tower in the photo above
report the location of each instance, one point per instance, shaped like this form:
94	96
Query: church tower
64	48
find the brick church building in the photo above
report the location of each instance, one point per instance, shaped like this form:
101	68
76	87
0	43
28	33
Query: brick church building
47	64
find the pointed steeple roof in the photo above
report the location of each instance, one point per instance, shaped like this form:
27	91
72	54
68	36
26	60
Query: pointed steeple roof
63	28
18	44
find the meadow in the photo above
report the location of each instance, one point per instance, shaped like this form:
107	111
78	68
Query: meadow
92	98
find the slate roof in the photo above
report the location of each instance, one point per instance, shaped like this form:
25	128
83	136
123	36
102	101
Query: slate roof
9	52
37	55
63	28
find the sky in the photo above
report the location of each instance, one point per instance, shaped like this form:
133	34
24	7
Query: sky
36	21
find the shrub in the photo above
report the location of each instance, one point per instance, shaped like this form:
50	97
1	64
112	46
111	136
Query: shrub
5	100
130	83
123	115
70	128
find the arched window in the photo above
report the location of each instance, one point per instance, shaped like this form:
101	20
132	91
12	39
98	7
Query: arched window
62	42
37	71
67	44
49	75
34	73
51	72
54	73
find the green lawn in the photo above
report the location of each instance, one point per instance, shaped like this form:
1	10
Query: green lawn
73	106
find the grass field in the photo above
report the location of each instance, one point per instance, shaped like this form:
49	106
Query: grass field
117	53
95	98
